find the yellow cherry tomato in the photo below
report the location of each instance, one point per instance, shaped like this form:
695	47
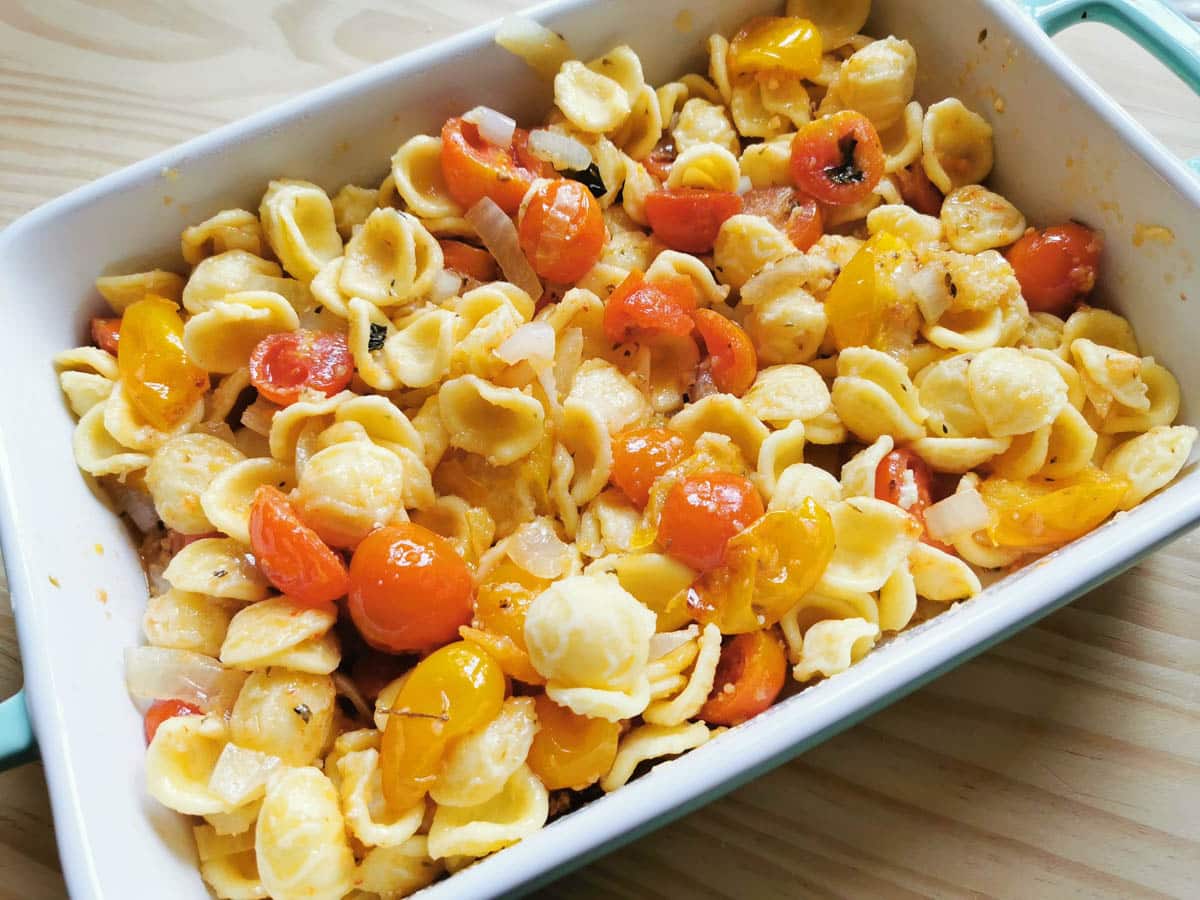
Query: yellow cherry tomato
570	750
1040	514
451	692
501	600
866	305
776	44
161	382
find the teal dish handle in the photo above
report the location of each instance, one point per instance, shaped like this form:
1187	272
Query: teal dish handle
1155	25
17	745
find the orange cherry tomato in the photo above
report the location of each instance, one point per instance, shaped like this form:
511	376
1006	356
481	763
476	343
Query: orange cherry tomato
641	455
837	159
161	710
569	750
409	590
688	219
797	216
106	333
734	362
917	190
290	554
889	486
702	512
468	261
449	693
162	383
660	160
1056	266
643	310
286	364
502	599
475	169
750	675
1042	514
561	229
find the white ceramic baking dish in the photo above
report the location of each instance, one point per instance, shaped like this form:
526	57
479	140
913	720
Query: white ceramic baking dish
1062	149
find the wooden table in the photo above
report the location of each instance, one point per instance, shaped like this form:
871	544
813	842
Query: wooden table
1064	763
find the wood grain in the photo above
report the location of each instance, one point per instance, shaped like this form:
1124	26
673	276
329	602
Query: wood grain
1065	763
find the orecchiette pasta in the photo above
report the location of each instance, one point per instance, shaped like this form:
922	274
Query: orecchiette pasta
956	145
298	220
278	632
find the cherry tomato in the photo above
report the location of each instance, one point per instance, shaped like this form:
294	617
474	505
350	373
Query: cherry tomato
1056	266
561	229
570	750
688	219
837	159
870	303
918	191
889	486
797	216
501	601
290	554
468	261
642	310
474	168
409	590
734	362
106	333
449	693
286	364
163	384
660	160
640	455
780	44
161	710
1042	514
702	512
750	675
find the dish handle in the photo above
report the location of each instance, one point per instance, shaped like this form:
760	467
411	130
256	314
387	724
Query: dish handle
1154	24
16	734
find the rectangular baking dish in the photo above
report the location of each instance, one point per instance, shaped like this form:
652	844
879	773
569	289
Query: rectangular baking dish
1062	150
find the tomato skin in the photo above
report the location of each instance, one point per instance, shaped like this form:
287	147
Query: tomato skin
409	590
468	261
754	667
837	159
161	710
660	160
162	383
1056	266
570	750
734	360
561	229
106	334
475	169
688	219
918	191
797	216
286	364
290	554
702	512
639	309
640	455
889	478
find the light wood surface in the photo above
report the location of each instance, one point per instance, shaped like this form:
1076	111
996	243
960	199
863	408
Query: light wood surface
1064	763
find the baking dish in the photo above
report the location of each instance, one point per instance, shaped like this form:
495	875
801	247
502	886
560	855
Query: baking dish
1062	150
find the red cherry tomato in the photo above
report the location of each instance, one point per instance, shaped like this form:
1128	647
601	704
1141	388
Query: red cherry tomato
409	590
106	333
734	362
918	191
837	159
750	675
468	261
797	216
702	512
641	455
890	481
561	229
290	554
660	160
1057	266
286	364
161	710
639	309
474	169
688	219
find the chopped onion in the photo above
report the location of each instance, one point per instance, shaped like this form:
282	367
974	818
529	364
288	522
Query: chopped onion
447	284
959	514
929	289
159	673
494	127
499	235
347	688
537	549
136	504
704	385
240	775
543	50
258	415
745	185
664	642
533	341
560	150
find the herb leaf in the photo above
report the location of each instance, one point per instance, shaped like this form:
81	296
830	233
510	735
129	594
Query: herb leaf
377	337
589	178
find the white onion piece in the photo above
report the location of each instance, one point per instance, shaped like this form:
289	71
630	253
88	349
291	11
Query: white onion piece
159	673
136	504
499	235
664	642
494	127
258	415
533	341
543	50
447	284
348	689
959	514
240	775
745	185
928	286
704	385
537	549
560	150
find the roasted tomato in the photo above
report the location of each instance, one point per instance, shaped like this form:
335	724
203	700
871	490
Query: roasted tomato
161	710
474	169
837	159
643	310
688	219
162	383
702	512
290	554
283	366
561	229
106	334
640	455
1057	266
468	261
730	350
750	675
